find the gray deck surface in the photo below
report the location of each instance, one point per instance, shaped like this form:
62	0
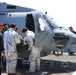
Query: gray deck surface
52	65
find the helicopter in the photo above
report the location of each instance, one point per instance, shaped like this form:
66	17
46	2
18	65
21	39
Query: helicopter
48	34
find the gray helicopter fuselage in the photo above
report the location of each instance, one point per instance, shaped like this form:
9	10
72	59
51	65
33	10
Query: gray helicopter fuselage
48	34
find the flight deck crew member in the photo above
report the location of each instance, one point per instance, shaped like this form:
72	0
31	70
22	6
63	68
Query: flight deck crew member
10	40
1	44
71	29
71	48
34	57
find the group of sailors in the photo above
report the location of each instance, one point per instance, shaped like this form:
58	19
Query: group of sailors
11	39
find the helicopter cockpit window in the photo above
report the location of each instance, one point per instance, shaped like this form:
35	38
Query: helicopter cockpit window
42	25
50	22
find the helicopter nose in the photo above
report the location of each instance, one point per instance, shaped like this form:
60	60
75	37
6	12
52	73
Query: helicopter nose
60	40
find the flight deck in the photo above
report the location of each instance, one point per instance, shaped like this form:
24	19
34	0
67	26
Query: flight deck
52	65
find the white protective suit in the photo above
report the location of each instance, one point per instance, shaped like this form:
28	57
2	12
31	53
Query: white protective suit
10	40
34	57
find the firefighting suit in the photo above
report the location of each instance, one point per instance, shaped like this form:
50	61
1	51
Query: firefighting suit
34	57
10	40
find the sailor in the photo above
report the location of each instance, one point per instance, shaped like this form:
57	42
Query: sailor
71	29
10	40
34	57
1	45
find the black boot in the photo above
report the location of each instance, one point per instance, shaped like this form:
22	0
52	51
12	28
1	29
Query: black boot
9	73
18	73
12	74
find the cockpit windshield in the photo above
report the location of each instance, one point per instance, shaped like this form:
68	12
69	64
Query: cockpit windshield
50	21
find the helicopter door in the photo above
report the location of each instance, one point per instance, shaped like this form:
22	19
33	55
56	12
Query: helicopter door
43	36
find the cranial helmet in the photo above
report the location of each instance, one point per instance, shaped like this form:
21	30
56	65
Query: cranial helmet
70	27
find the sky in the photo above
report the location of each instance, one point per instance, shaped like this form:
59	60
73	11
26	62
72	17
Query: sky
62	11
